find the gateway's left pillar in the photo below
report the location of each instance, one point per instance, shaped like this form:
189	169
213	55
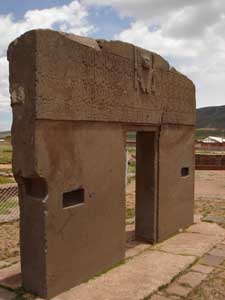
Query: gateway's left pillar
70	171
32	186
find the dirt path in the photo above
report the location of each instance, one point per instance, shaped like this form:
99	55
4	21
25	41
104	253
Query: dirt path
210	184
9	240
5	166
210	193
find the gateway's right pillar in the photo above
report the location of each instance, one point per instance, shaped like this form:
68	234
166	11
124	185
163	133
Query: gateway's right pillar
176	179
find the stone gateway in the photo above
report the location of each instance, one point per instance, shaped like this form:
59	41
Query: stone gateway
73	100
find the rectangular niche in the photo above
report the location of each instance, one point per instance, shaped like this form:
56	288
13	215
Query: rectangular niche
184	171
73	198
35	187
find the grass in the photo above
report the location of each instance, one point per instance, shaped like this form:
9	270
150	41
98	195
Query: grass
5	206
5	153
6	170
209	152
5	180
5	135
131	168
130	213
131	150
202	133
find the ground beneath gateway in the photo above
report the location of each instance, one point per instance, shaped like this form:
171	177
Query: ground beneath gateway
199	275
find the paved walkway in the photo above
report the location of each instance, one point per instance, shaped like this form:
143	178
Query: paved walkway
170	270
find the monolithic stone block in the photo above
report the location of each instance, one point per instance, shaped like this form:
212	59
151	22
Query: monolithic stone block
73	100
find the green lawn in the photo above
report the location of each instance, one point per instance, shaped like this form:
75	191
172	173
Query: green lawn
132	168
4	180
5	153
202	133
130	213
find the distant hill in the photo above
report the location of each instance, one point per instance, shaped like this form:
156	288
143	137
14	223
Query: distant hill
211	117
210	121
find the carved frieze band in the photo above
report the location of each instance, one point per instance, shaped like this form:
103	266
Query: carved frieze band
98	85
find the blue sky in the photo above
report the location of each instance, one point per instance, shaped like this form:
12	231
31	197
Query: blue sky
105	18
189	33
18	8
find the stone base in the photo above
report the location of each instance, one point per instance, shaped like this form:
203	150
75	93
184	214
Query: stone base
148	267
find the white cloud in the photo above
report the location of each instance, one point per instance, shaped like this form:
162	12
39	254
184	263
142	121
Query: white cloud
4	90
189	33
140	34
71	18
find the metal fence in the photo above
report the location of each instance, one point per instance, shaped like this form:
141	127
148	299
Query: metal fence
9	206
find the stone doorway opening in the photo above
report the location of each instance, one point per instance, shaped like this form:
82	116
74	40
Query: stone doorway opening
130	182
141	186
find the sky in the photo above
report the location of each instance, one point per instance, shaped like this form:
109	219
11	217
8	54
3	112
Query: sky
188	33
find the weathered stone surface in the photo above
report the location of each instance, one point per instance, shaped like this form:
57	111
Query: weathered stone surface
178	289
221	274
173	297
11	276
221	246
207	228
134	248
214	219
6	295
170	145
218	252
136	274
202	268
189	243
191	279
73	100
4	264
211	260
159	297
133	280
164	296
116	82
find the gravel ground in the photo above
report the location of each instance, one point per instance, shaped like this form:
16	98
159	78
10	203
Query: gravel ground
9	240
210	193
213	288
